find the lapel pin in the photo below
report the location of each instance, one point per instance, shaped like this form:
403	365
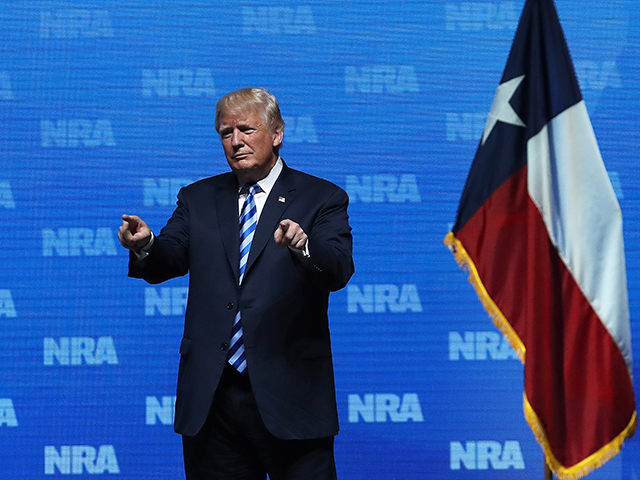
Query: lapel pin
281	199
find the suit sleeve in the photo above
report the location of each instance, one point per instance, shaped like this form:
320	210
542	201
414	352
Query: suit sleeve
169	255
331	244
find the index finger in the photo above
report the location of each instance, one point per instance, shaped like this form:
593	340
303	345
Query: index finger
285	224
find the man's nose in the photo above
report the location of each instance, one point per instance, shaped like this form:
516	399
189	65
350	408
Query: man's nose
237	138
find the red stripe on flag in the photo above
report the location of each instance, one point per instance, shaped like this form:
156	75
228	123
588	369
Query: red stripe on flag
576	379
495	239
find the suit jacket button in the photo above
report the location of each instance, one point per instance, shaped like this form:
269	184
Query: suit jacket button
224	346
229	305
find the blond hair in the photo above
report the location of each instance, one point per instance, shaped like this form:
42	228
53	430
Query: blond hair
258	99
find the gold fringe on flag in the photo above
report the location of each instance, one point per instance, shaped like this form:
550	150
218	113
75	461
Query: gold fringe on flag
587	465
590	463
500	321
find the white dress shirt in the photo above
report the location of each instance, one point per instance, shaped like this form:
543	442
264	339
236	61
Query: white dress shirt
266	184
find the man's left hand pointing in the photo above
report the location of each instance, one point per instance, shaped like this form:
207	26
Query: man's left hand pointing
290	234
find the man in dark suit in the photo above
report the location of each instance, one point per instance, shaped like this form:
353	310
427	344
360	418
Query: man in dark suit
255	393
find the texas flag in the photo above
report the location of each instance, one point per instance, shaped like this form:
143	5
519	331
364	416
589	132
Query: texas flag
540	230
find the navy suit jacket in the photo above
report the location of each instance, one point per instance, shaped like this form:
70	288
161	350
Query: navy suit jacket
283	300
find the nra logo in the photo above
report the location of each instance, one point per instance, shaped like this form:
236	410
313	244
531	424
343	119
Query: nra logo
300	130
383	188
7	307
598	75
160	410
6	92
75	242
467	127
7	413
486	455
76	133
378	79
6	195
178	82
477	16
278	20
480	346
383	407
382	298
78	459
74	23
162	191
166	301
79	350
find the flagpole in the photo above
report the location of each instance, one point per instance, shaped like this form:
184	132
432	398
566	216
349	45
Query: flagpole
547	472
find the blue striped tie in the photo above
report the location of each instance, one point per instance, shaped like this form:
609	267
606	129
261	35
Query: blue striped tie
248	221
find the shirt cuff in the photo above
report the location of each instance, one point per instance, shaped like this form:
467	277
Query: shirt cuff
302	254
144	253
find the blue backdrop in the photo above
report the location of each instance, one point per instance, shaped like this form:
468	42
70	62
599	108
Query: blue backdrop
107	107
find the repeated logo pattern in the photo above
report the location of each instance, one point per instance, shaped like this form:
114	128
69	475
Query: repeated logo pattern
108	107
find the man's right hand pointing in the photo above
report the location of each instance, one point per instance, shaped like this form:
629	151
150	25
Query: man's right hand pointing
134	233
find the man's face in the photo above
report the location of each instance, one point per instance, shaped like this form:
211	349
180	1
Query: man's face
248	145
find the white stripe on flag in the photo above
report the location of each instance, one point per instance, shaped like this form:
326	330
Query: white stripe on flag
569	184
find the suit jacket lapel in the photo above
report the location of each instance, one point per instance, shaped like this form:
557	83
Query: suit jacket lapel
227	211
272	213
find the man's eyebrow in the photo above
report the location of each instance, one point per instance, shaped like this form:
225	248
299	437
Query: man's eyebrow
240	126
248	124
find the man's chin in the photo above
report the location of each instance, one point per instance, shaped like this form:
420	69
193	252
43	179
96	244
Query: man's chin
246	174
248	171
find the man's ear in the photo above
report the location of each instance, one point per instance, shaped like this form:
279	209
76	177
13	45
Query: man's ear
277	136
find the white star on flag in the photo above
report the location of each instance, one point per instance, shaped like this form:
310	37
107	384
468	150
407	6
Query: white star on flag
501	109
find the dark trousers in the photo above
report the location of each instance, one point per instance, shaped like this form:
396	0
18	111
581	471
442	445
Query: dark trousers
234	444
